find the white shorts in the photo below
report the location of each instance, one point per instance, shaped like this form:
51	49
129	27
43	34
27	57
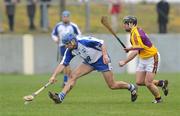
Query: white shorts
149	65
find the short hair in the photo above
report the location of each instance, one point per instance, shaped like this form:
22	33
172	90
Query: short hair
65	13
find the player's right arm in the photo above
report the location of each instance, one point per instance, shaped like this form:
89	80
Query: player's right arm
131	56
58	69
55	39
54	34
64	62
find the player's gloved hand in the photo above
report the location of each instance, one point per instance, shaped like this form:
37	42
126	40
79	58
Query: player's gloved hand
122	63
52	80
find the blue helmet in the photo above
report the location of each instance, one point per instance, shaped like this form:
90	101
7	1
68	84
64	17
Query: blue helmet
68	38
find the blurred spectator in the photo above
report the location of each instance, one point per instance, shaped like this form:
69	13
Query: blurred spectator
10	11
31	10
44	21
163	12
114	10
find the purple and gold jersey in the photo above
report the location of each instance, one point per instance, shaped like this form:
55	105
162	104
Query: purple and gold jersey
140	40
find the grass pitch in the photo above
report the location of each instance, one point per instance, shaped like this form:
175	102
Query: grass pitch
90	97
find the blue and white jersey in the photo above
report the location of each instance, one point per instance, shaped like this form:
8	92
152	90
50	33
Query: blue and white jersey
61	29
88	48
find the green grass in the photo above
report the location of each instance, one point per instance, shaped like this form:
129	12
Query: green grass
90	97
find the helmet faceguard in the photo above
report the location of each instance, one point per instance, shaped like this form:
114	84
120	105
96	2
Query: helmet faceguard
130	19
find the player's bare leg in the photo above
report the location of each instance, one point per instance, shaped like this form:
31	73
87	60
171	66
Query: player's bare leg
140	78
112	84
81	70
152	87
78	72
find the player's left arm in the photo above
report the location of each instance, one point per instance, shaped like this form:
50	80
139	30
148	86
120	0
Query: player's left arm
75	28
78	30
104	54
98	45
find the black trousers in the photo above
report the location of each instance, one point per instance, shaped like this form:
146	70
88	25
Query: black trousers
31	9
11	22
162	27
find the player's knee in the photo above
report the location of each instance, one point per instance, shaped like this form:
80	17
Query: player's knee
71	82
139	83
112	86
73	76
148	84
72	79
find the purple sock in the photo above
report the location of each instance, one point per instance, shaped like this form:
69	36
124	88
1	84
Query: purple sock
160	84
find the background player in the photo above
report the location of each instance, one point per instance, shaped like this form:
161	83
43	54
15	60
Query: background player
62	28
148	56
95	57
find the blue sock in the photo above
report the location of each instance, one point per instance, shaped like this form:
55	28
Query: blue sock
61	96
65	78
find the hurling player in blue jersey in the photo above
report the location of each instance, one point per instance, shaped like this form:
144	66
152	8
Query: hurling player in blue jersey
62	28
95	57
